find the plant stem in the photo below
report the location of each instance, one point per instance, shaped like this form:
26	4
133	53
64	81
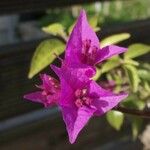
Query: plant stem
140	113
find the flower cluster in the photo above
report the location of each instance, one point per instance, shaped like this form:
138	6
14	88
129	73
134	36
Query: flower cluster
77	95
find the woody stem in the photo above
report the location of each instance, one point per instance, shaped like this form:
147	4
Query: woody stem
140	113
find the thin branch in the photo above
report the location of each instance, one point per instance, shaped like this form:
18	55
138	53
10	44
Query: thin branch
140	113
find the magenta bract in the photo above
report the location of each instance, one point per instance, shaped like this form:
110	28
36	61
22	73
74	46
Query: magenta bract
48	93
77	95
83	47
81	98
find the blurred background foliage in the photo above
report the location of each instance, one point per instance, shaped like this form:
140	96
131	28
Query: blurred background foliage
109	12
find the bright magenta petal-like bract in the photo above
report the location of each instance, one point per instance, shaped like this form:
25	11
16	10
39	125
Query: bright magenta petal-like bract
77	95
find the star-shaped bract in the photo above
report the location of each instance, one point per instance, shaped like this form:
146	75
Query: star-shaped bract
83	47
81	99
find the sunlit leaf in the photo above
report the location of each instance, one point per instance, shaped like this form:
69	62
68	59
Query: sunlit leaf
55	29
146	66
71	28
97	75
110	64
131	62
93	21
144	74
147	87
109	77
114	39
44	55
115	119
117	89
136	50
133	77
118	79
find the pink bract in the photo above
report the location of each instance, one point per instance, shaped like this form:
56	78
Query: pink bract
77	95
83	47
48	93
81	98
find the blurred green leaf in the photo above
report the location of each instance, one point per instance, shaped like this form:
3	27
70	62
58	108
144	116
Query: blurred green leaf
109	77
71	28
144	74
133	102
136	126
145	66
114	39
115	119
118	79
44	55
136	50
110	64
93	21
147	86
117	89
97	75
131	62
133	76
55	29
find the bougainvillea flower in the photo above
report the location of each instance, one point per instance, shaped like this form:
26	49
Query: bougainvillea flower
49	92
83	47
77	95
81	98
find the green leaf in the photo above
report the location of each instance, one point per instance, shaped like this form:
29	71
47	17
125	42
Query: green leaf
131	62
145	66
71	28
147	87
114	39
109	77
118	79
115	119
93	21
44	55
136	50
134	80
97	75
144	74
55	29
133	102
136	126
110	64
